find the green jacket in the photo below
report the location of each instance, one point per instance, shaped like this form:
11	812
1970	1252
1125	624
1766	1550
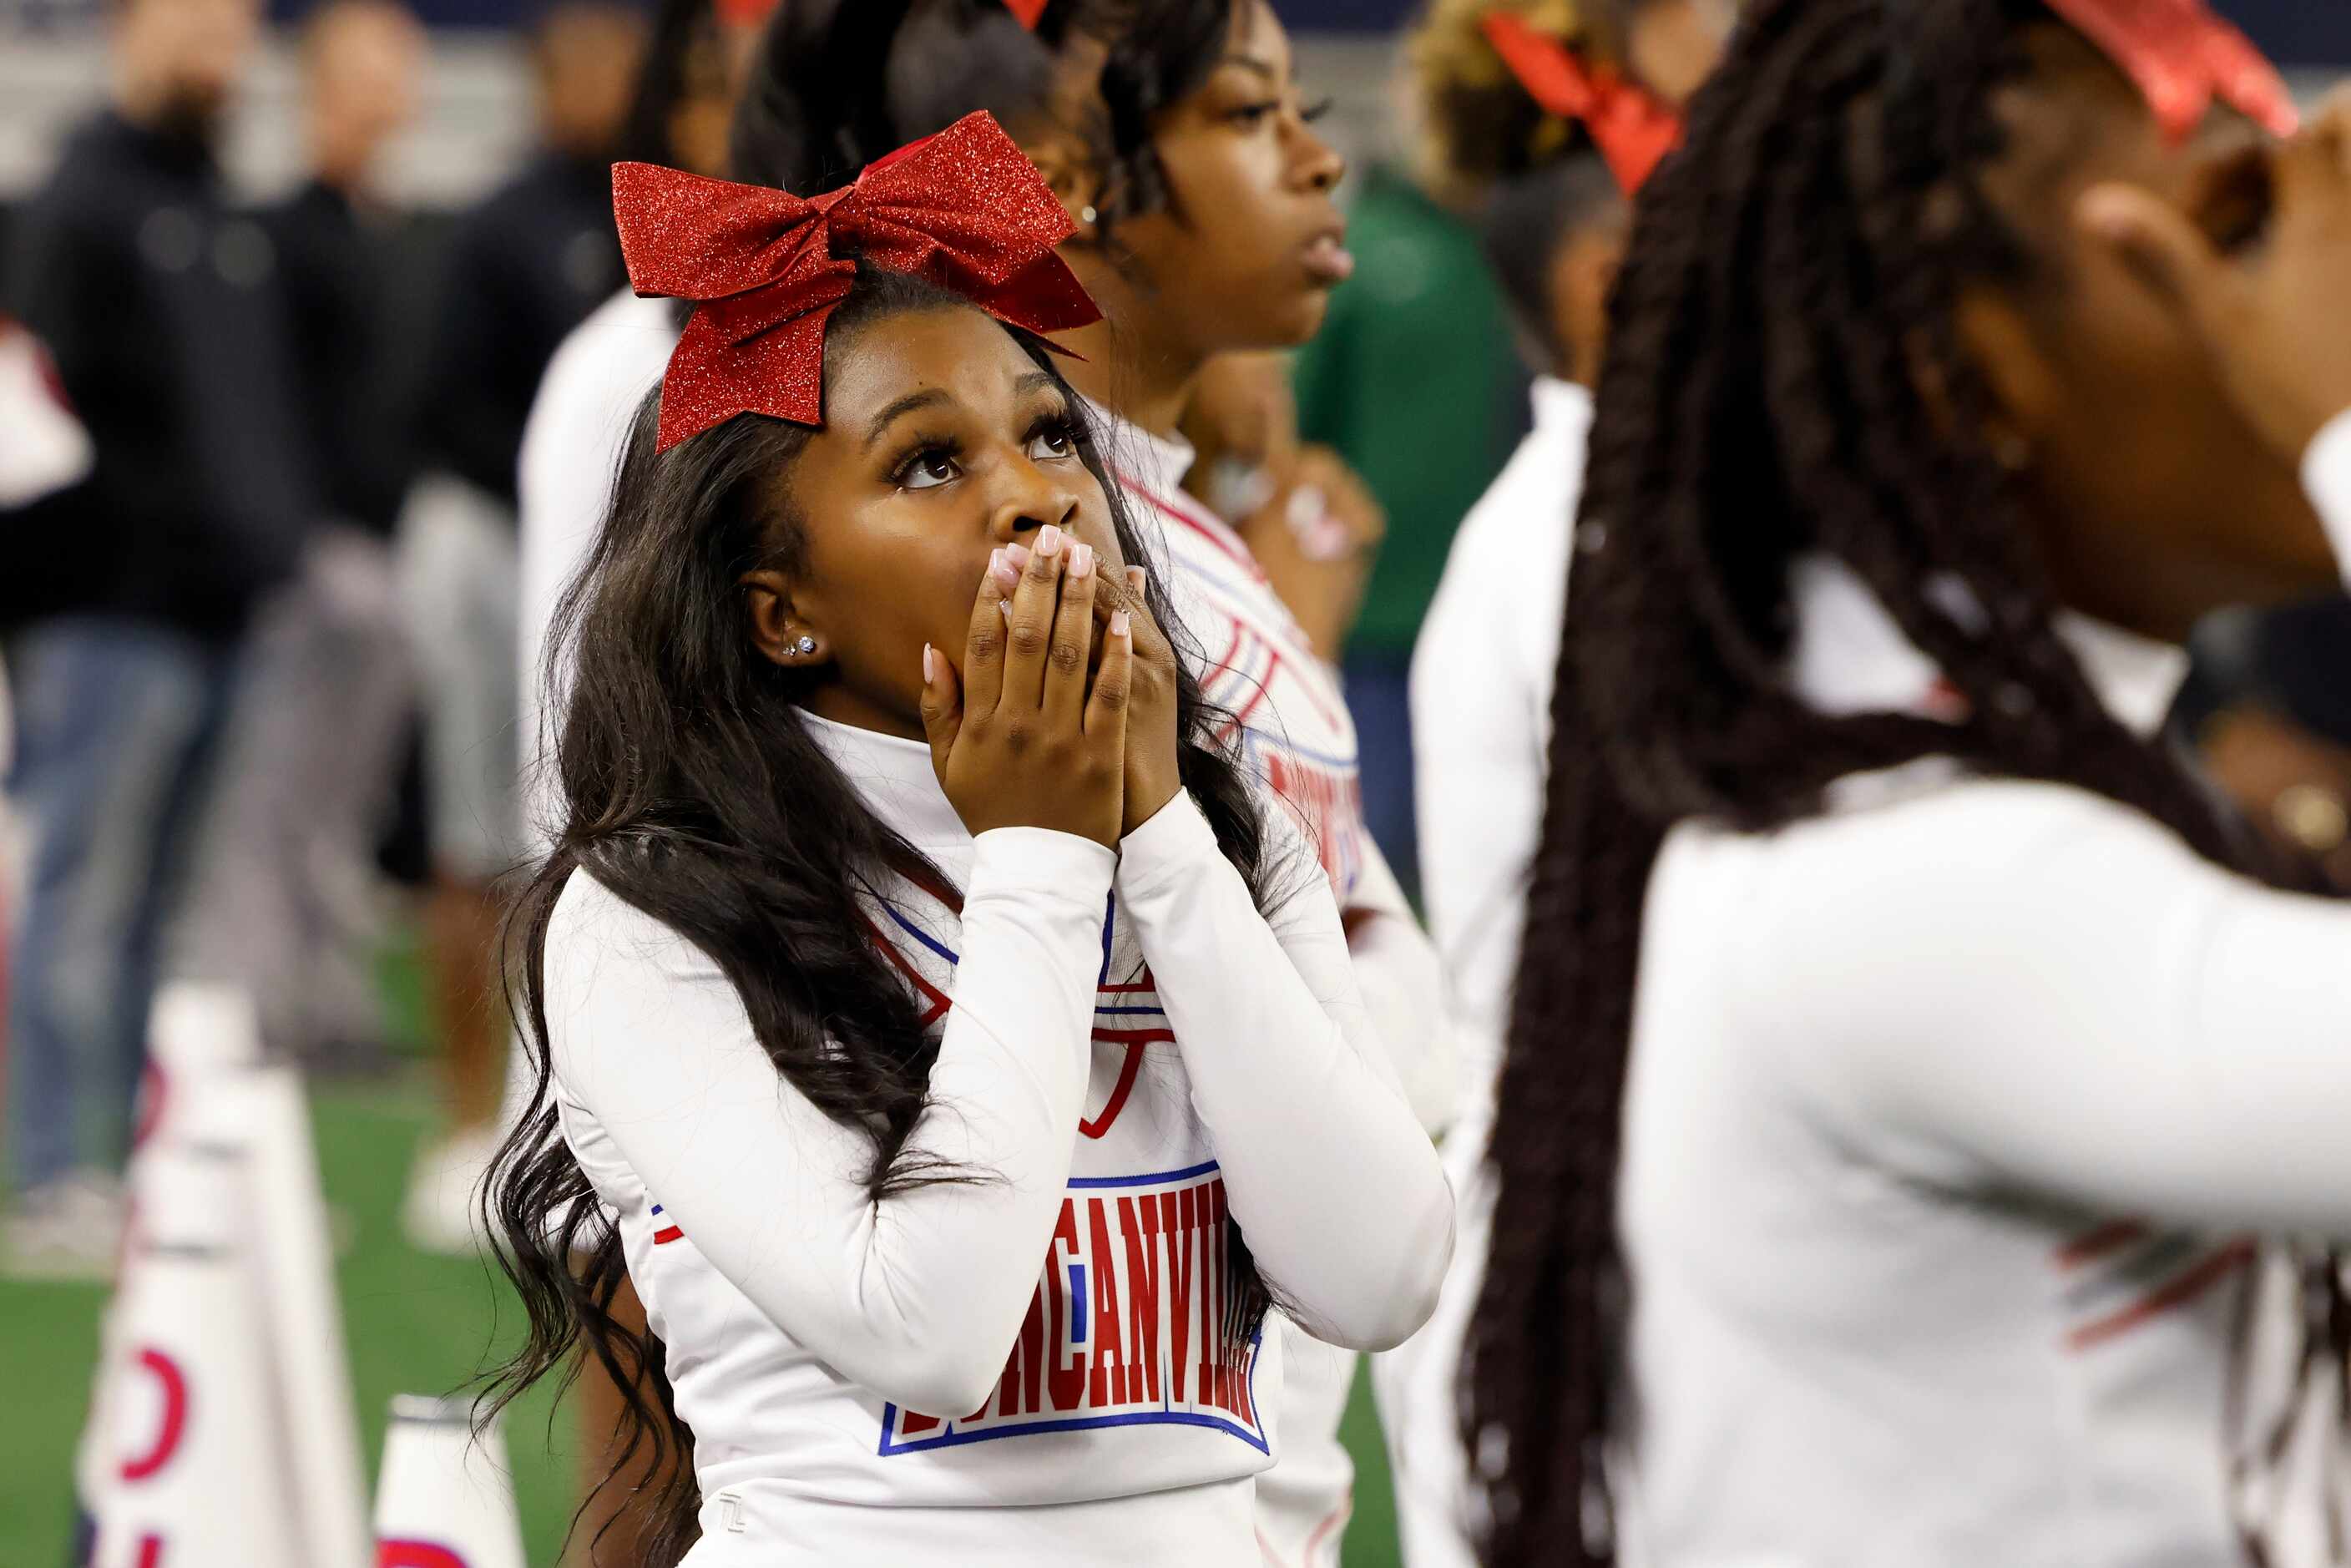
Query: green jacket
1414	381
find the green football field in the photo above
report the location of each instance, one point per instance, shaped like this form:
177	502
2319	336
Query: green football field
416	1324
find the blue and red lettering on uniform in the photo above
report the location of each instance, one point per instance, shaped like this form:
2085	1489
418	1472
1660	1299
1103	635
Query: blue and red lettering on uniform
1327	796
1132	1324
1126	1012
1263	650
663	1232
416	1554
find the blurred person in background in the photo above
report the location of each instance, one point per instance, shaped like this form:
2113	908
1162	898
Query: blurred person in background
526	267
1310	520
700	53
129	592
1540	120
1915	1070
284	901
694	67
43	449
2268	705
1414	382
363	63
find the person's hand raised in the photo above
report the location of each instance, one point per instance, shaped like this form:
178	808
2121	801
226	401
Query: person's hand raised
1022	738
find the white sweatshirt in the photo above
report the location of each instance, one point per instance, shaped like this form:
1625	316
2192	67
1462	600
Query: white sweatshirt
1015	1371
572	448
1296	734
1482	685
1946	1114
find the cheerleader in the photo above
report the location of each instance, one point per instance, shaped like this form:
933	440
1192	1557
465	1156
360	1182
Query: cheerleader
1903	1042
1135	114
938	1033
1530	118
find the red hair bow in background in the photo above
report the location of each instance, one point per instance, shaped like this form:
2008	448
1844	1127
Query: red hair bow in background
964	209
745	14
2183	56
1027	12
1633	129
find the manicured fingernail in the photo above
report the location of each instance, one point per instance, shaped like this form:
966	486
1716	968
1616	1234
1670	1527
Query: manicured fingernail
930	666
1081	558
1048	540
1134	577
1006	575
1018	556
2106	213
1004	608
1119	623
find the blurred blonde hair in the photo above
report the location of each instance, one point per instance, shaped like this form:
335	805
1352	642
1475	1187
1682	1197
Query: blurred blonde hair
1472	125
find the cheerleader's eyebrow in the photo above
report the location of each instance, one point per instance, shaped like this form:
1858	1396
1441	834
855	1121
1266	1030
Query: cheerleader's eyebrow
892	412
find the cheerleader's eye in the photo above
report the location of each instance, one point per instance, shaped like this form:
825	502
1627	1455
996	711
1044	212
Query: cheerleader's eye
1052	441
926	467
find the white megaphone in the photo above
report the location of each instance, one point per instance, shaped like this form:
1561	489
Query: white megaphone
195	1457
294	1266
195	1035
446	1499
209	1087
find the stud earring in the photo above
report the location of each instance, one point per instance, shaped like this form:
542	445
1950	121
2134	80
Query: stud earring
1087	216
805	646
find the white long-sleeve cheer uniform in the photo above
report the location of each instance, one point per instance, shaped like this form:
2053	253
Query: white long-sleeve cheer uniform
1294	731
1949	1114
1481	684
1025	1369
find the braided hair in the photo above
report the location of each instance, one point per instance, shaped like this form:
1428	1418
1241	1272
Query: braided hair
1787	302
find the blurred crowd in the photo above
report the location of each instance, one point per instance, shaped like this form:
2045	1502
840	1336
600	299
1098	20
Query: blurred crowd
260	577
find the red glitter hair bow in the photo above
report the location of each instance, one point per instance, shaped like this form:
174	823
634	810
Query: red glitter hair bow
2183	56
964	209
1633	129
1027	12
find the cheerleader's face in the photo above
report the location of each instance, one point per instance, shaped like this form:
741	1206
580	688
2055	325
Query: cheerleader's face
942	441
2154	498
1249	243
1671	46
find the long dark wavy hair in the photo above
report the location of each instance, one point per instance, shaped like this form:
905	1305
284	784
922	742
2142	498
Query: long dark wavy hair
1788	293
839	83
692	788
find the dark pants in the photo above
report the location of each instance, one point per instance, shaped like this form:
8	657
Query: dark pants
115	723
1379	697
